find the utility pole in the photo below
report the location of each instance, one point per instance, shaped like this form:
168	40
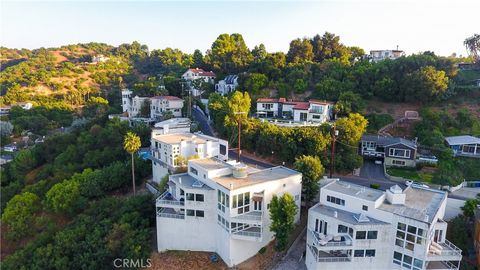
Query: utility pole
332	161
239	133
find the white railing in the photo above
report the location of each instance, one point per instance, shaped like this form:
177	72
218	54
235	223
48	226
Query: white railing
161	200
452	246
249	216
328	259
170	215
446	266
247	233
332	243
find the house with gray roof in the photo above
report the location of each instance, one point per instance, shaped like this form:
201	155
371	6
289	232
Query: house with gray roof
227	85
394	151
465	145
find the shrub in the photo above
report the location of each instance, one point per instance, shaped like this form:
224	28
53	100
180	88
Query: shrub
375	186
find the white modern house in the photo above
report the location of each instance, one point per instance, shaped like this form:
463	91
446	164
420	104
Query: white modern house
222	207
197	73
172	126
227	85
167	148
158	105
161	104
465	145
312	111
355	227
23	105
379	55
100	58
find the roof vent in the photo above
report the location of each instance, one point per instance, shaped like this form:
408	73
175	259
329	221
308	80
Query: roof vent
240	170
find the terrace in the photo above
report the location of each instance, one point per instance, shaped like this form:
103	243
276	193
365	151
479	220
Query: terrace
332	255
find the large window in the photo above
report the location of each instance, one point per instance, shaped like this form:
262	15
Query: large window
241	202
372	235
394	152
335	200
199	197
361	235
193	171
223	201
408	236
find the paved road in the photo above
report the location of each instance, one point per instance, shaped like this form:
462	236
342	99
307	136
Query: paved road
202	121
294	258
372	171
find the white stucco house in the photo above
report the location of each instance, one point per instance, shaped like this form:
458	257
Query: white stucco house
166	148
379	55
227	85
222	207
161	104
312	111
197	73
354	227
172	126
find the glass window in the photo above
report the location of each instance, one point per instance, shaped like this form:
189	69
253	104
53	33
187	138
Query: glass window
361	235
370	253
372	235
240	200
182	192
399	243
350	232
199	197
400	234
401	226
418	263
407	259
409	246
227	198
234	201
397	255
247	198
420	240
412	229
359	253
190	212
190	196
420	232
193	170
365	208
200	213
342	229
411	238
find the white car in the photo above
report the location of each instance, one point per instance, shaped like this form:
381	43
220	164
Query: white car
378	162
410	182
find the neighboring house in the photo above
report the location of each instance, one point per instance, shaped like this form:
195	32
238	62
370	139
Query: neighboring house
393	151
161	104
198	73
379	55
24	105
166	149
222	207
298	111
158	105
227	85
4	159
10	147
99	59
172	126
465	145
355	227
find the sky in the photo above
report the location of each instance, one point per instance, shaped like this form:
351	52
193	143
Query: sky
412	25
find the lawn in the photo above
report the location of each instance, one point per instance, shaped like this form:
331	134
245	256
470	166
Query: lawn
412	174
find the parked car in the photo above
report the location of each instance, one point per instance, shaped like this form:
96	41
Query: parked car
378	162
410	182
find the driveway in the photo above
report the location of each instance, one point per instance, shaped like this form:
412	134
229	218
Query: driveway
294	258
372	171
202	120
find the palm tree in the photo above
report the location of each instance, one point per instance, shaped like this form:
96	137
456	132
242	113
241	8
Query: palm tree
131	144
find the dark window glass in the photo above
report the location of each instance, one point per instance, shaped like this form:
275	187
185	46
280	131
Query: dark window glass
199	197
401	226
397	255
412	229
359	253
372	235
370	253
200	213
361	235
190	212
365	208
342	229
190	196
410	237
400	234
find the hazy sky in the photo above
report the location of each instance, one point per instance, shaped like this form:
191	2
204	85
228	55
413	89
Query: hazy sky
439	26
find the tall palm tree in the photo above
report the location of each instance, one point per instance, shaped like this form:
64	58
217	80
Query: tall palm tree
131	144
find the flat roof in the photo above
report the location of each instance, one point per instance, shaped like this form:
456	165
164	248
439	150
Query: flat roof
357	191
464	139
345	216
420	203
188	181
256	177
210	163
188	137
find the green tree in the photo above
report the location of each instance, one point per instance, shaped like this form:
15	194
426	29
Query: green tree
300	51
23	162
312	171
349	102
328	46
229	54
469	207
145	108
282	213
20	214
198	59
473	46
238	108
253	82
65	197
131	144
351	128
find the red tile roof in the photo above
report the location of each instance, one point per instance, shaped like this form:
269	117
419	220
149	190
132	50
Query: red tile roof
202	72
320	102
301	106
267	100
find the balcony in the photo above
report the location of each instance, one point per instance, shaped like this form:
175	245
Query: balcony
168	200
253	217
329	242
331	256
441	265
249	234
169	213
445	251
